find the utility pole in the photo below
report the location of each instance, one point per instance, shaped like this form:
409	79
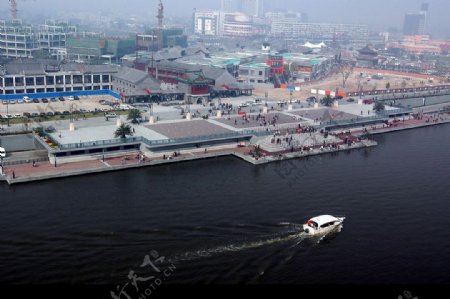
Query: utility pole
7	111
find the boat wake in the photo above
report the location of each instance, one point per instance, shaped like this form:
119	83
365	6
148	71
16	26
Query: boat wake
298	236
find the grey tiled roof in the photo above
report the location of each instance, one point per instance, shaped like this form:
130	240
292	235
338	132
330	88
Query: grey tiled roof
42	67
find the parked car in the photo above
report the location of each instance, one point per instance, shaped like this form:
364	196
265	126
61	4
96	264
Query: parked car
61	99
20	101
27	100
110	115
66	112
36	101
71	98
50	113
34	114
17	115
42	114
2	152
76	98
44	100
57	113
50	129
27	114
53	100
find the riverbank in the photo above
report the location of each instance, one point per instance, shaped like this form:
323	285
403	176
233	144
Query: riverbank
45	171
26	173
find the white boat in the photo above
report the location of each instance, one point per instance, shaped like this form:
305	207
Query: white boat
322	224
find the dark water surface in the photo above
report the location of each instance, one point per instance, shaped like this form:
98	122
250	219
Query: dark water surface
225	221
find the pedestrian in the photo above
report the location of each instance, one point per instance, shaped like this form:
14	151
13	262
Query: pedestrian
14	174
34	163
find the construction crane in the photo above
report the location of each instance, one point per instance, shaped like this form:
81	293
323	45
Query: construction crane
160	15
160	18
13	9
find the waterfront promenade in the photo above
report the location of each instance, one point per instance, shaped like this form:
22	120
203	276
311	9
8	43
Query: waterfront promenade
300	132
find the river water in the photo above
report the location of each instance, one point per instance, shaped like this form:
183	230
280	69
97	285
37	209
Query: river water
226	221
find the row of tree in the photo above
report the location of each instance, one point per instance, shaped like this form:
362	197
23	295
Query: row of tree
328	102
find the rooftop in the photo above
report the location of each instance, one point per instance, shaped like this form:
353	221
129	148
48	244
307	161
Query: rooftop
256	65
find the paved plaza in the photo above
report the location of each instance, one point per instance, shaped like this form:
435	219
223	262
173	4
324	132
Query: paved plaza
188	129
264	120
324	114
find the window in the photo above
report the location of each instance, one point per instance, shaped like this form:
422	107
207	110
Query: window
40	81
19	81
87	79
50	80
29	81
260	73
327	224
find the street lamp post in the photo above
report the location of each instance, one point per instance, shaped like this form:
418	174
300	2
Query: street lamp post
7	111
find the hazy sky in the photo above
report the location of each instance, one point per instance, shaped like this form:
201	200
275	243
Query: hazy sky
372	12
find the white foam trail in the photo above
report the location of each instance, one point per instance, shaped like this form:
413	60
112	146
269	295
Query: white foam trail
239	247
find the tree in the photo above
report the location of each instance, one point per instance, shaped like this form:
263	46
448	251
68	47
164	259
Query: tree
134	115
327	101
388	85
123	131
257	153
345	75
378	107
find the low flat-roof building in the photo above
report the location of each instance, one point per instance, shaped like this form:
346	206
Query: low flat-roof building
251	73
30	76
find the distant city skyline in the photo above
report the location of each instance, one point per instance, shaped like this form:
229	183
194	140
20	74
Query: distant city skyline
379	15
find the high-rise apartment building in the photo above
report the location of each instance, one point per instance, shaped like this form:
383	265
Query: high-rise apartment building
416	23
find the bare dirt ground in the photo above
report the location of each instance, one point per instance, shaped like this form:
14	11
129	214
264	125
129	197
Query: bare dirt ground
395	79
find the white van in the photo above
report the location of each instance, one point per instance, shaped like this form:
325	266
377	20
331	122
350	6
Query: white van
2	152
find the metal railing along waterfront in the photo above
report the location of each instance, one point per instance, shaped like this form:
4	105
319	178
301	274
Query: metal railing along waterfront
194	139
27	161
99	143
382	115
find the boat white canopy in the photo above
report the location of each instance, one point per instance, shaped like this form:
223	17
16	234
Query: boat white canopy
320	220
